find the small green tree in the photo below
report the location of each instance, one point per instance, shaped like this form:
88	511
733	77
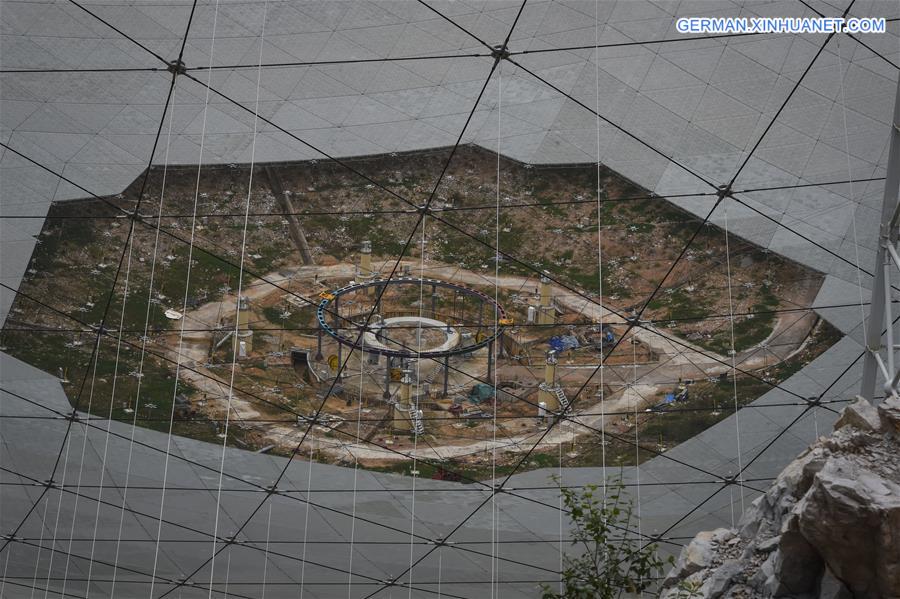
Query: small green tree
611	560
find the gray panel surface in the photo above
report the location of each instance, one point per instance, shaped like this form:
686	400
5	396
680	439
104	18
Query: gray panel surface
702	104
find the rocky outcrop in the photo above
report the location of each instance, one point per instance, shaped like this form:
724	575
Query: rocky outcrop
827	528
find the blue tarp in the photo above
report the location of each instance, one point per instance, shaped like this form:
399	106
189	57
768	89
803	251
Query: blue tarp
563	342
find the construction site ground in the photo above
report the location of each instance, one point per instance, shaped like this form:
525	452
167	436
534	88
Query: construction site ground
549	219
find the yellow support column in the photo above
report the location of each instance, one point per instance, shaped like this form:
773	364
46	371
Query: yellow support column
545	390
401	408
546	291
243	341
365	272
546	311
365	260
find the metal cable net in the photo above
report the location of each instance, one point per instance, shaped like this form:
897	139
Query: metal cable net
778	140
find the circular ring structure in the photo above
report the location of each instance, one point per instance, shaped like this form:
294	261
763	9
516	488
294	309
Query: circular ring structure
444	350
452	336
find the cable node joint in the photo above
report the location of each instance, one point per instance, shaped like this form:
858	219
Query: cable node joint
813	401
499	52
723	191
729	480
634	320
177	67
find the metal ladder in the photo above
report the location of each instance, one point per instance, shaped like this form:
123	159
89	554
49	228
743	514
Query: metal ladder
418	425
429	378
561	398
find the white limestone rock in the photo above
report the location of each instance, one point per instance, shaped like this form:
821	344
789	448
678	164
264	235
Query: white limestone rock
698	554
861	415
827	528
889	413
852	516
